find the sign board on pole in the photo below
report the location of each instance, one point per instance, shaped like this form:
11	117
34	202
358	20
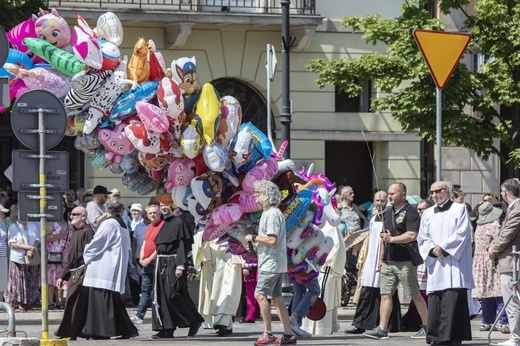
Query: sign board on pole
29	206
441	51
271	62
26	165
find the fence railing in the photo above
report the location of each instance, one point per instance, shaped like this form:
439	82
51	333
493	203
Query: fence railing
303	7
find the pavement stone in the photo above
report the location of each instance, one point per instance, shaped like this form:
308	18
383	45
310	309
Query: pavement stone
28	324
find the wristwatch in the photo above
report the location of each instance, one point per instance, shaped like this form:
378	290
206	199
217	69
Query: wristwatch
254	237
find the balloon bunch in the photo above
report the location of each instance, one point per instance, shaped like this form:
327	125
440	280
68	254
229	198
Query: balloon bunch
163	133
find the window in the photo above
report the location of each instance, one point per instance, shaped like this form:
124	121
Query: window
360	103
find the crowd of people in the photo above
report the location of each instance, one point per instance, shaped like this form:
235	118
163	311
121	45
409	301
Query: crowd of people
445	255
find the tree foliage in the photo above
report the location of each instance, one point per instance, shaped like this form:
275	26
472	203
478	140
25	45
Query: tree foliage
470	99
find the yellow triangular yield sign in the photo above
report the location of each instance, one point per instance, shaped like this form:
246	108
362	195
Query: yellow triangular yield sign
441	51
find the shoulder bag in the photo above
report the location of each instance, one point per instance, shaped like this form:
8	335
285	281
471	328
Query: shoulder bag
33	260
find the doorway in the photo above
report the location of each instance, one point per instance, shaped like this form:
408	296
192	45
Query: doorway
349	163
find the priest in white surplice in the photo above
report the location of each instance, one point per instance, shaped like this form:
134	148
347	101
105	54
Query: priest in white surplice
220	284
445	245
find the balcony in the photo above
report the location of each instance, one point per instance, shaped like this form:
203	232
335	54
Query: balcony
296	7
178	17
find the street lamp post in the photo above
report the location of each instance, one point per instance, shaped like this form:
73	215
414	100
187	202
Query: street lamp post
285	116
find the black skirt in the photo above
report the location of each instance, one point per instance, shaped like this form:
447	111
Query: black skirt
173	307
367	310
448	316
106	315
75	307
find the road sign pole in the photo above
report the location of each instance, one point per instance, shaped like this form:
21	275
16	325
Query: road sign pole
43	224
438	113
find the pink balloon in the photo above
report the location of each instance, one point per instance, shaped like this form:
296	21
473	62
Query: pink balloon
227	213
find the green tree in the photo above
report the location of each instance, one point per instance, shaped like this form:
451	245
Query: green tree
407	88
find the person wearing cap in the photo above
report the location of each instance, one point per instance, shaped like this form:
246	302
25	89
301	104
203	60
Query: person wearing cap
445	245
487	279
137	229
96	210
500	251
3	251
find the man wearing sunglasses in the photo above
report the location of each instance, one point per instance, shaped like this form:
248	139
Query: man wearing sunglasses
445	245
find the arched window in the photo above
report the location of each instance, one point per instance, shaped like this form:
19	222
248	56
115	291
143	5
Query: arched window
254	106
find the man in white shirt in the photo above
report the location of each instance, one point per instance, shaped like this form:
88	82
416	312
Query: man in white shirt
96	211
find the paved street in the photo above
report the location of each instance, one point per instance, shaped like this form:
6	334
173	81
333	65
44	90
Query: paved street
243	334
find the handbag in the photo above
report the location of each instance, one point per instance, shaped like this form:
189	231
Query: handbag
319	309
54	258
57	257
33	260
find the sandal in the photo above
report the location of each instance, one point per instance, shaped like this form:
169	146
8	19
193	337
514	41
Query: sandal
60	307
485	327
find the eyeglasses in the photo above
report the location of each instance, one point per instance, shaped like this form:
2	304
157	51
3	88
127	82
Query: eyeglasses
436	191
75	214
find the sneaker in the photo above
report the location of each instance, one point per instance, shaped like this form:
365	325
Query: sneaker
508	343
136	320
354	330
504	329
376	333
283	340
421	334
265	339
297	329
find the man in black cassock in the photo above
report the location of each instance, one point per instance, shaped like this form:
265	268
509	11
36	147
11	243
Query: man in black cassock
173	307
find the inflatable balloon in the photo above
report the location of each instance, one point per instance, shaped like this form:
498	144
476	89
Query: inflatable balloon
227	213
99	160
246	201
17	34
125	105
109	28
163	196
116	143
196	210
87	143
242	148
208	112
207	189
154	162
156	71
41	78
86	48
213	231
180	196
216	157
180	173
191	142
264	170
158	55
230	122
18	59
138	67
170	100
263	145
110	53
52	28
184	73
296	234
312	241
102	103
83	87
320	253
153	117
294	208
330	213
65	62
129	163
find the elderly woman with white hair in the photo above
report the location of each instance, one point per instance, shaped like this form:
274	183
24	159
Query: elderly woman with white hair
107	257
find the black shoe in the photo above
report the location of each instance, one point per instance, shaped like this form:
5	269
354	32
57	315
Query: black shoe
354	330
128	336
246	321
194	328
163	335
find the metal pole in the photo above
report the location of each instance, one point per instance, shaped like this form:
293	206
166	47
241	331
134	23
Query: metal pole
43	224
285	116
269	78
439	133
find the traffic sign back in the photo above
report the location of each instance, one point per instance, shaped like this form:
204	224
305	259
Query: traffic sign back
442	52
24	119
27	170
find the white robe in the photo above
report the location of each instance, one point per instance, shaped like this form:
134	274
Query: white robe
220	282
332	295
107	257
371	275
451	231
